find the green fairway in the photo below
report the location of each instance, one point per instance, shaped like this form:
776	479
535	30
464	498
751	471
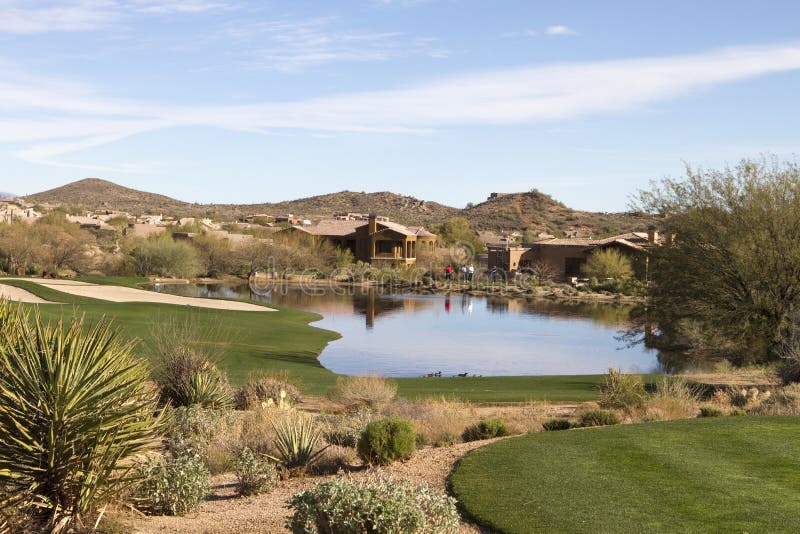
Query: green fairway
286	341
733	474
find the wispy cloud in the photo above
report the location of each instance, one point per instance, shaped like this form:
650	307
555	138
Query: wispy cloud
41	16
294	45
559	29
66	118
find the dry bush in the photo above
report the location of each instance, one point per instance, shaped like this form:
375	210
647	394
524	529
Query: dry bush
783	401
621	391
674	398
257	432
371	391
437	422
334	460
344	430
262	387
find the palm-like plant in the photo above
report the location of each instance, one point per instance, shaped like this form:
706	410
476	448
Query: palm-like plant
74	411
295	440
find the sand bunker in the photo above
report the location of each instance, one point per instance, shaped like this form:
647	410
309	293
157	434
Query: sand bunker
125	294
20	295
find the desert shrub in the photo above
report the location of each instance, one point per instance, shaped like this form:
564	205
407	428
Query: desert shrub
608	263
738	412
172	486
710	411
556	424
372	391
254	474
259	391
387	440
296	439
598	418
211	435
345	430
674	398
743	398
436	421
75	409
619	390
184	355
333	460
382	507
486	429
784	401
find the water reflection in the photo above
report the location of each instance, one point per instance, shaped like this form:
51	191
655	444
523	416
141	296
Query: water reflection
413	335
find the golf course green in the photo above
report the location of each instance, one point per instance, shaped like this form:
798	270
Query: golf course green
286	341
729	474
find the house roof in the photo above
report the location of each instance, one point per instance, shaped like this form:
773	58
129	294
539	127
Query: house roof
420	231
332	227
637	240
341	228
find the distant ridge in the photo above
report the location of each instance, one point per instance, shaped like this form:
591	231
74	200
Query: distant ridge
7	195
502	213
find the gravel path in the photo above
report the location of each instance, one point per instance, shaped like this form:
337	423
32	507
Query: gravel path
225	513
129	294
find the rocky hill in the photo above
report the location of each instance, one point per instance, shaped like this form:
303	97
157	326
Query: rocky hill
539	212
96	194
502	213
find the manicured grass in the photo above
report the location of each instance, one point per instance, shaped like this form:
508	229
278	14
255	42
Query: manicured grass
732	474
126	281
285	341
270	341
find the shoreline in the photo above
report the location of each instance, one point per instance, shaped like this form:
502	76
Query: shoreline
561	292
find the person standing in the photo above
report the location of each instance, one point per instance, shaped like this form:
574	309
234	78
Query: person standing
464	273
471	270
448	272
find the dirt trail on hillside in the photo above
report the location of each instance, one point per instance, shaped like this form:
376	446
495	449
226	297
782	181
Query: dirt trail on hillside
129	294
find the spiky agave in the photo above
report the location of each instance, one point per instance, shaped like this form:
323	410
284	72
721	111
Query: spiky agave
75	410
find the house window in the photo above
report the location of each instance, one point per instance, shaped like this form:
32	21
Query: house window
385	247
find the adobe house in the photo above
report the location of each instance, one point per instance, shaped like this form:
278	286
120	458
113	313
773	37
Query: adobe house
567	256
374	241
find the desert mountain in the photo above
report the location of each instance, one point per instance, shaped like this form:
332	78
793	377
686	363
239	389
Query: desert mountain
501	213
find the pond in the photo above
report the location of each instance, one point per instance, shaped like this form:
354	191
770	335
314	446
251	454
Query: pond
402	335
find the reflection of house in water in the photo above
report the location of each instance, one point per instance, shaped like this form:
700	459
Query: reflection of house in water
373	304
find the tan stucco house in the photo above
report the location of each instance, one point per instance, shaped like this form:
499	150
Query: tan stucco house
374	241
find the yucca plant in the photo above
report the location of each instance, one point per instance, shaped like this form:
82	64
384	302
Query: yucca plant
74	411
296	439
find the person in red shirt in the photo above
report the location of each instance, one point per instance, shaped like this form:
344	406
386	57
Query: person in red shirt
448	272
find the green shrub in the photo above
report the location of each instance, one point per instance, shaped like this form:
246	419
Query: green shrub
172	486
162	256
254	475
738	412
619	390
75	409
381	507
710	411
296	440
258	391
486	429
556	424
598	418
387	440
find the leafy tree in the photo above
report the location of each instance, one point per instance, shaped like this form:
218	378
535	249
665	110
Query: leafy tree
214	254
161	256
608	263
731	279
457	231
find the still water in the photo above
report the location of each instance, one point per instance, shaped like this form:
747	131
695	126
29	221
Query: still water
412	335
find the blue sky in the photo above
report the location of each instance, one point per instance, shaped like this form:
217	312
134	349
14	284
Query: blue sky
446	100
